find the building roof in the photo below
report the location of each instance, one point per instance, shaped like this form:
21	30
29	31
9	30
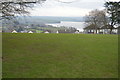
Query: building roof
30	32
46	31
14	31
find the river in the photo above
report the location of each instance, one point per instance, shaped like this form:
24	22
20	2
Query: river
77	25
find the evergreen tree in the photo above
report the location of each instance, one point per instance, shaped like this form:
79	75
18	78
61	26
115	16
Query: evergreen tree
113	9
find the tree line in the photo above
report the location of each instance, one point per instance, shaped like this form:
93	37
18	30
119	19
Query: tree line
110	16
98	18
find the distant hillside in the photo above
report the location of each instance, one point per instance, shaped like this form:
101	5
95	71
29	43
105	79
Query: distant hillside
49	19
35	21
43	19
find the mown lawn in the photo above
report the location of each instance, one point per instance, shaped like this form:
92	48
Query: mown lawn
60	55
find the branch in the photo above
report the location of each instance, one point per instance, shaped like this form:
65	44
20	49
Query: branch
20	7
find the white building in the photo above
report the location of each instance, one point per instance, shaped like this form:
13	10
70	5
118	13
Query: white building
57	32
30	32
14	31
46	32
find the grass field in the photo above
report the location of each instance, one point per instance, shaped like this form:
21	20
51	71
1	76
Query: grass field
60	55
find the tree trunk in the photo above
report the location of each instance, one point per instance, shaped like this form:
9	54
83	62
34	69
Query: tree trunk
111	27
96	31
111	31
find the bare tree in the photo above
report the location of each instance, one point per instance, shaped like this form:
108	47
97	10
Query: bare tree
97	18
9	9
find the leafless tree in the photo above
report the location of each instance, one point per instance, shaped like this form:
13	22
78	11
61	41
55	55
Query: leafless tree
9	8
97	17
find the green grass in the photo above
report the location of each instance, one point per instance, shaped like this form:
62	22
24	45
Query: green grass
60	56
39	31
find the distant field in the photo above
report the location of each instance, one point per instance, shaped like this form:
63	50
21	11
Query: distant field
60	55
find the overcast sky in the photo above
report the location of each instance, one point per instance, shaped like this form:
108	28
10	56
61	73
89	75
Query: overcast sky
74	9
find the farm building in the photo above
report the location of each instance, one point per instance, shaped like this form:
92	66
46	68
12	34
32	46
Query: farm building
47	31
14	31
30	32
101	30
91	29
106	29
57	31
